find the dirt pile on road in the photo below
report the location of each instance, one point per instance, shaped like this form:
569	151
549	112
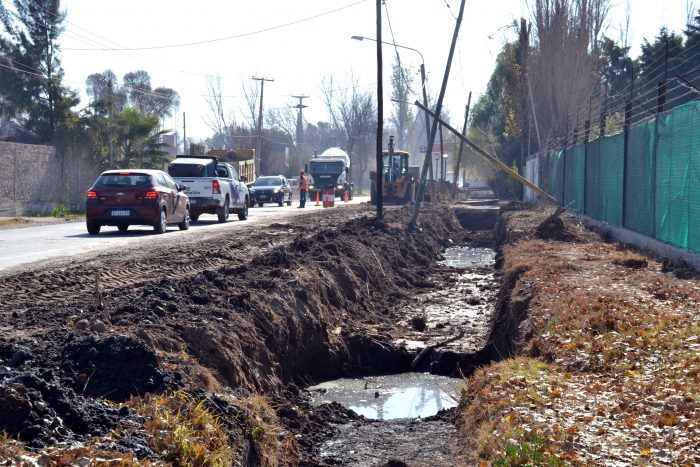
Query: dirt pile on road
300	309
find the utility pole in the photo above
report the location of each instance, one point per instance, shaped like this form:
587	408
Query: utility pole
380	114
300	130
433	129
184	134
258	149
461	143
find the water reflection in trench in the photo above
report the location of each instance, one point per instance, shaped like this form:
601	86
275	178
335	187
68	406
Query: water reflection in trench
406	395
463	257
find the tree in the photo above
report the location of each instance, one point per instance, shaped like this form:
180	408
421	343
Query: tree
401	116
31	76
105	93
564	63
218	119
138	141
161	101
356	115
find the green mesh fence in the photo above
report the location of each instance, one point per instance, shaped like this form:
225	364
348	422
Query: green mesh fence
656	191
574	160
639	189
543	169
556	175
675	162
594	191
610	176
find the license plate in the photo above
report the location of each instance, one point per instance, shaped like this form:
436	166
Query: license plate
120	212
262	197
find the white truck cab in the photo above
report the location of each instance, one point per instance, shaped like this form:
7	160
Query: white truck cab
213	187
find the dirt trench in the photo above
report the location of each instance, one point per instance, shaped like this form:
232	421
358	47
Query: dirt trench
304	305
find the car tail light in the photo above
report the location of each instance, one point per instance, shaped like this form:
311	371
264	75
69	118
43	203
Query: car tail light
216	188
92	194
151	194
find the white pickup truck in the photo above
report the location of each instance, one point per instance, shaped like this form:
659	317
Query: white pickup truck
213	187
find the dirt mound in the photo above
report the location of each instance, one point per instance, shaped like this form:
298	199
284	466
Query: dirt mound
113	367
50	387
304	308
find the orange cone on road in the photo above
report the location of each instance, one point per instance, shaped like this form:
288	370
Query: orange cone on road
346	197
317	199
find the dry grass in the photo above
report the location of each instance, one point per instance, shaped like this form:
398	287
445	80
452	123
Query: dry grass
273	444
623	338
183	431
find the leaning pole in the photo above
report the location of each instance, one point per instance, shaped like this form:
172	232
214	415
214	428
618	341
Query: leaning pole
433	129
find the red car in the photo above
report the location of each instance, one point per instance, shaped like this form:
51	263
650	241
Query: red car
136	197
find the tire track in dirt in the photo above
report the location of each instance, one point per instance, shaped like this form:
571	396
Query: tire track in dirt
84	281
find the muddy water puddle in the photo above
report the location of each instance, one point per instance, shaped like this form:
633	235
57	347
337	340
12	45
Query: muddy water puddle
403	421
464	257
406	395
459	310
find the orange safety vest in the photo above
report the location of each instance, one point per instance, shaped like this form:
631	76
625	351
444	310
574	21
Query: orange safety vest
303	183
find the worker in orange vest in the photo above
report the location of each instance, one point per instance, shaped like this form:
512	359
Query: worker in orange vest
303	188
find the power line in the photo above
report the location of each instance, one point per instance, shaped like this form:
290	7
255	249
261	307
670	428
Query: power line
225	38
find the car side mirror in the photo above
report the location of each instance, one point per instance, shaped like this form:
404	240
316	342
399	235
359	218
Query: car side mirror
244	178
182	188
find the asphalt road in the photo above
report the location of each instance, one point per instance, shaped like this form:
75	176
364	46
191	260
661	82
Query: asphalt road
29	247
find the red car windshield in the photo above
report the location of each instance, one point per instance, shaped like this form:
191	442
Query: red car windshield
124	180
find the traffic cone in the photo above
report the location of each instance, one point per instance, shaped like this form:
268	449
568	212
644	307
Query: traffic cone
317	199
346	197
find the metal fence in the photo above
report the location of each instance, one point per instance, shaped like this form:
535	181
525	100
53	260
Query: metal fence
645	178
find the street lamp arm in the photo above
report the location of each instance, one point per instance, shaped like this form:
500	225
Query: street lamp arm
361	38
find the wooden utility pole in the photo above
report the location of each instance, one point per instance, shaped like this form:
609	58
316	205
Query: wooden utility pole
380	114
184	134
461	143
433	129
258	147
492	159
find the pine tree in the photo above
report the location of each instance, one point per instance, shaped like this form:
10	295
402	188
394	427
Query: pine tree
31	75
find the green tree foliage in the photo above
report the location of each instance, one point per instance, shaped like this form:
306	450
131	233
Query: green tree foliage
494	114
105	94
31	75
139	141
122	119
616	67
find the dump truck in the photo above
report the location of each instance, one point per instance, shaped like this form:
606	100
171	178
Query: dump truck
242	159
331	170
399	180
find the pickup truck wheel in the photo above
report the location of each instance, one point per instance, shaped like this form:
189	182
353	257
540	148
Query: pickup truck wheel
243	213
260	205
185	224
350	195
281	201
161	225
123	228
223	212
92	228
194	217
289	201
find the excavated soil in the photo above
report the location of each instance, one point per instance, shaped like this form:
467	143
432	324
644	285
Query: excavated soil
267	311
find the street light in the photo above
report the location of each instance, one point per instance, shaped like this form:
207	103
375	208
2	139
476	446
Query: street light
422	82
